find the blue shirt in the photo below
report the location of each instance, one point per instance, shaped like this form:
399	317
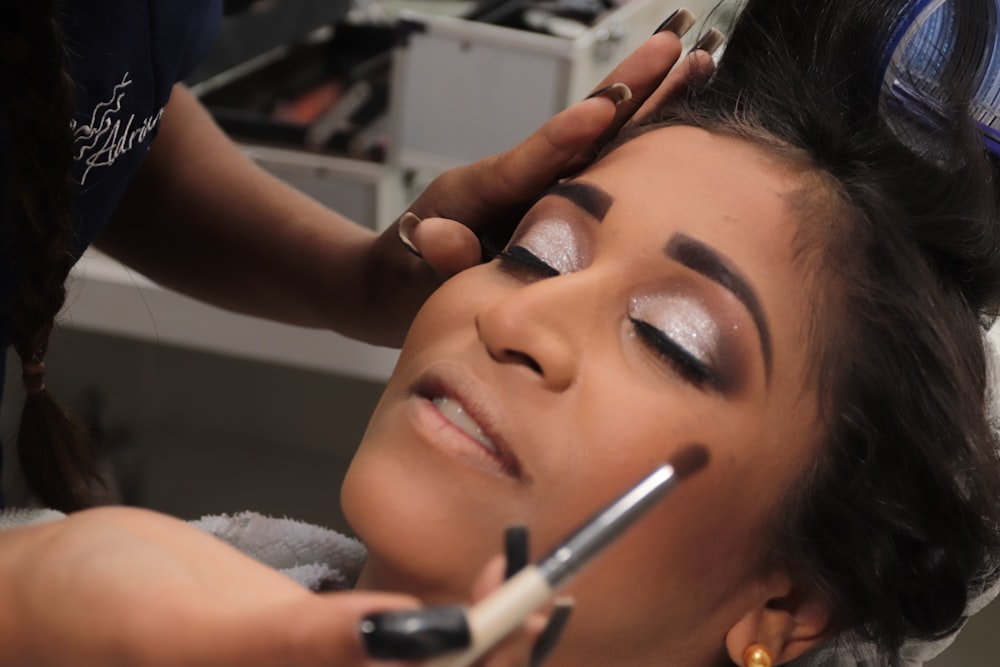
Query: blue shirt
124	58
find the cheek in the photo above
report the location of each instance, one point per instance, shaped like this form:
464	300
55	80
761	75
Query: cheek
456	301
712	517
676	578
445	321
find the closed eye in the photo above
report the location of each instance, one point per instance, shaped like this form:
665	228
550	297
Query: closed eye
686	364
518	260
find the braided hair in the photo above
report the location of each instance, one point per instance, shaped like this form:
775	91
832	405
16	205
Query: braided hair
58	462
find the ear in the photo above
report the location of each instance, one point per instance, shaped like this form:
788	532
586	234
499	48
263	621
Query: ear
789	621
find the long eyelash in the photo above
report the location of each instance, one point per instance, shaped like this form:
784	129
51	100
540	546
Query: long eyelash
690	367
518	258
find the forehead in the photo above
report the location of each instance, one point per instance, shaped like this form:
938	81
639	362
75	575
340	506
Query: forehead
719	190
687	166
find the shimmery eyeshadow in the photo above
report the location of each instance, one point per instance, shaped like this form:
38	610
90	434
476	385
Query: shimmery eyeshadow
684	320
707	261
555	242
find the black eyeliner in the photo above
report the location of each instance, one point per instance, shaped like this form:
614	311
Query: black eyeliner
517	258
689	366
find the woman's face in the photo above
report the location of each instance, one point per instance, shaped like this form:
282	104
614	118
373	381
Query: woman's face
650	303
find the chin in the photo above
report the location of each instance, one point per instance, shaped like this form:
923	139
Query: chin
419	540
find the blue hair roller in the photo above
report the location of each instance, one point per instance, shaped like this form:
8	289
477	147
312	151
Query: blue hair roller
916	63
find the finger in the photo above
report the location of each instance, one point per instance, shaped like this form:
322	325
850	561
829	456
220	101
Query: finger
644	71
447	245
415	634
406	227
318	629
489	189
516	648
549	636
509	178
489	579
696	67
515	548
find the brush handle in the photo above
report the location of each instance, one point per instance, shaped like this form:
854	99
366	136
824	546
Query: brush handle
498	614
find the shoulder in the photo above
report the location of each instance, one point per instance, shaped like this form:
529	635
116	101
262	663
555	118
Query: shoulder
166	35
185	30
125	57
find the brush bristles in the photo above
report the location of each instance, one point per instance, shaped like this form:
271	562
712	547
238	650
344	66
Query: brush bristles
689	460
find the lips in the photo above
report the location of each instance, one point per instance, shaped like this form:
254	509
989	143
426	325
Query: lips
472	419
453	411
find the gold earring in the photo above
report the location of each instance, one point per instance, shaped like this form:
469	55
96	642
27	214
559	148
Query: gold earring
756	655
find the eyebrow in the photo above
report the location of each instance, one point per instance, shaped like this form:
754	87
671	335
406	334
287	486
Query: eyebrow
701	258
588	198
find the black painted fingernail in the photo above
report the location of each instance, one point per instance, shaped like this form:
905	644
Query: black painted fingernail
710	41
678	23
515	548
616	92
553	631
415	634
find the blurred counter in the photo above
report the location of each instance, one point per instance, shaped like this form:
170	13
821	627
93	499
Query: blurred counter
105	297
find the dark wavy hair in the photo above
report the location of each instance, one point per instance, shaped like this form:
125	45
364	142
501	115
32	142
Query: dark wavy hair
897	520
58	462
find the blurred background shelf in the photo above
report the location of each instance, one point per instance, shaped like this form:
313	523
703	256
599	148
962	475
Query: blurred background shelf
105	297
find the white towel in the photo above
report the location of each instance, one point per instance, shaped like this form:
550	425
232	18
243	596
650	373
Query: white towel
23	516
316	557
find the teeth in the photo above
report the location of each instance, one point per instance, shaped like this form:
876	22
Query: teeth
454	413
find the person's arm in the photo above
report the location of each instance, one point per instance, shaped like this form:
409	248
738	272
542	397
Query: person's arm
124	586
202	218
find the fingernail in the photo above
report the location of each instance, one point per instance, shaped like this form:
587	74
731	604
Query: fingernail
416	633
616	92
710	42
553	631
515	548
678	23
407	223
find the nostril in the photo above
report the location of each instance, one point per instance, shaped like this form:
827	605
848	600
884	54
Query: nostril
515	357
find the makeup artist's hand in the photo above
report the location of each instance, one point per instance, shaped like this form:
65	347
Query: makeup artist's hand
443	632
532	643
121	586
486	199
489	196
517	649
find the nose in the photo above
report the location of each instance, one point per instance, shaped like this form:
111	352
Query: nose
539	328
